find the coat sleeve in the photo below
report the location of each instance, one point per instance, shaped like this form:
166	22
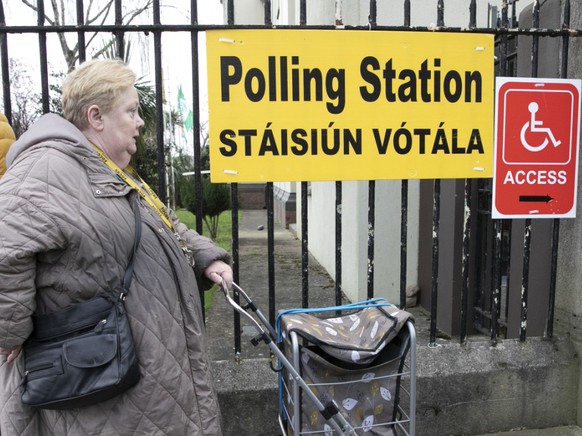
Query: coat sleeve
205	251
25	230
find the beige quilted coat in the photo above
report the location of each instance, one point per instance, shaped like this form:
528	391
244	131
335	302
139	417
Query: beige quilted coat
66	232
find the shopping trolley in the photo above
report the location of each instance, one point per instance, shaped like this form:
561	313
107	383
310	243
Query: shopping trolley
347	370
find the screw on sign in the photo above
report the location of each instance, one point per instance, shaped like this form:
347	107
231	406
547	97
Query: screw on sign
536	149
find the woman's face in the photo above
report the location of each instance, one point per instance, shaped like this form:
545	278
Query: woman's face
121	128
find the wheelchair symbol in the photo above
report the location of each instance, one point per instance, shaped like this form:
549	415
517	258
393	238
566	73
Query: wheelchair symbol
535	126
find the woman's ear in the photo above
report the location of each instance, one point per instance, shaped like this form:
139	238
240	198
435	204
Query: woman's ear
95	117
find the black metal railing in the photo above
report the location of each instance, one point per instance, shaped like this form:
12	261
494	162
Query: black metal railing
482	275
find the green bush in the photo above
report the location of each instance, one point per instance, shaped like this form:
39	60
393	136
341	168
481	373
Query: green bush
215	201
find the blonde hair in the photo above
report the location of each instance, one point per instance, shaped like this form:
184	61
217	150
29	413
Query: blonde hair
96	82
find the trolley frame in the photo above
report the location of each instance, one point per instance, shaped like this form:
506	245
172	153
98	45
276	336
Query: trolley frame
330	411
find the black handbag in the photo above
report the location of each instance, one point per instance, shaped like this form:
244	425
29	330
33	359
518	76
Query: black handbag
83	354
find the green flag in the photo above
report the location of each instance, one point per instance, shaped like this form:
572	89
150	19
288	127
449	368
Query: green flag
189	121
185	112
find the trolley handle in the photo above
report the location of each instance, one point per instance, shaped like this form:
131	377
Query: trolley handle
330	411
266	336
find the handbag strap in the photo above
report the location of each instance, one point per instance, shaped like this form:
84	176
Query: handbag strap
129	270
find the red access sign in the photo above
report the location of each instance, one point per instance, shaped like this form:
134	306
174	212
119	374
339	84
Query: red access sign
536	148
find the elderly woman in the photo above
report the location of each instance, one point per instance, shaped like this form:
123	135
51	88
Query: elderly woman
66	233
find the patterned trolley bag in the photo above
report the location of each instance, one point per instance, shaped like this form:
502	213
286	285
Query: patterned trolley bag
357	359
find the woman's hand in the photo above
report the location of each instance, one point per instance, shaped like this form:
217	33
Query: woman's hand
12	353
219	271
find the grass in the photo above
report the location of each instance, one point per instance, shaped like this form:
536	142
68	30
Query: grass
224	234
223	240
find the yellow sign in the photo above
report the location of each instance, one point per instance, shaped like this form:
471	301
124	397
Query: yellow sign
312	105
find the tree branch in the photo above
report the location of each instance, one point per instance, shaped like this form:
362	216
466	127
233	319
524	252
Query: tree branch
92	17
35	9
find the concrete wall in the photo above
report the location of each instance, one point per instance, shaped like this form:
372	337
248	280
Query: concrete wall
246	12
461	390
390	13
321	221
568	304
569	295
477	389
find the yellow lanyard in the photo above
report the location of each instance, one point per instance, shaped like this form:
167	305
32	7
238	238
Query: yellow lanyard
149	195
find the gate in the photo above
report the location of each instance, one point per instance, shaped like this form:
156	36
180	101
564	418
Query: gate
492	274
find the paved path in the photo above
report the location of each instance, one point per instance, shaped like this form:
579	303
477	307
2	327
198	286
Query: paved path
254	280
